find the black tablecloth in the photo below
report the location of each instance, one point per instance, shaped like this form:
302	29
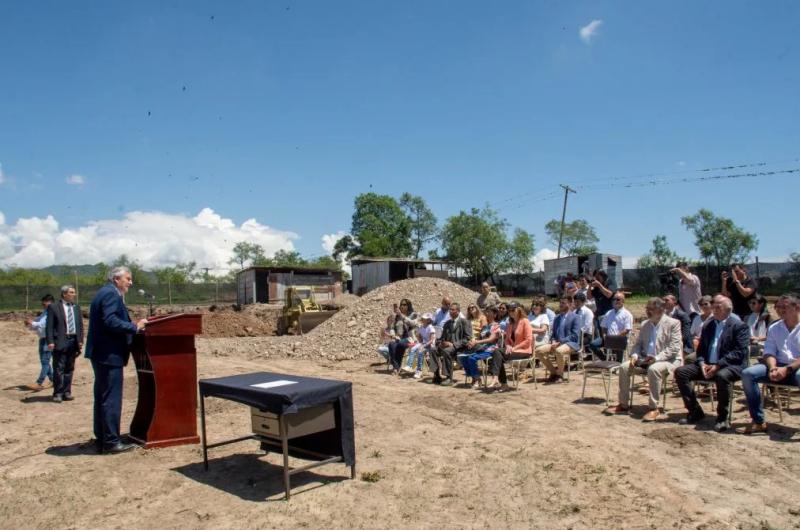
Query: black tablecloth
305	392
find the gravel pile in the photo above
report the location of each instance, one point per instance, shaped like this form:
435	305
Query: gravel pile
353	332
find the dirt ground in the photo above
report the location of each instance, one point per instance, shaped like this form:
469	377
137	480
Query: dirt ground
443	457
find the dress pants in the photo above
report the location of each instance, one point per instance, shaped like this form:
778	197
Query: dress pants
561	352
64	367
397	350
656	373
442	362
107	403
723	379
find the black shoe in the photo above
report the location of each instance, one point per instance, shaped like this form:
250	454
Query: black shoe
68	397
691	419
57	399
722	426
118	448
553	378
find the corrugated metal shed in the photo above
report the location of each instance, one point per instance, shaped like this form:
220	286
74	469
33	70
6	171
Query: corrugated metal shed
371	273
611	263
267	284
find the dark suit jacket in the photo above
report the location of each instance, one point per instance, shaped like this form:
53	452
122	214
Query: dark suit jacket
458	331
734	343
110	328
570	332
56	328
686	328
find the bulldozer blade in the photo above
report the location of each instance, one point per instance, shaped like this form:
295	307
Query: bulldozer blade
312	319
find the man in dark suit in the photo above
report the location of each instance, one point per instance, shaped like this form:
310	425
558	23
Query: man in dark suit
721	354
673	309
64	336
108	346
456	333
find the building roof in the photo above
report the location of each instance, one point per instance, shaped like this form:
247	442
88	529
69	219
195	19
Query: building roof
358	260
298	270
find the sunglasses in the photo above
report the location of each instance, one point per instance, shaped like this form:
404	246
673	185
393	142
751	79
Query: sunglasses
619	299
705	304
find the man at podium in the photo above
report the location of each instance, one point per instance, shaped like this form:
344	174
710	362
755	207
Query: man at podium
108	347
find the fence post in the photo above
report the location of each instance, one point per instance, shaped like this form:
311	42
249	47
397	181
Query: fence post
169	290
27	294
216	293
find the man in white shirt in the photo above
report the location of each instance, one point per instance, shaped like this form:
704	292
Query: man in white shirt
657	353
618	322
39	325
442	314
781	360
64	332
689	291
586	315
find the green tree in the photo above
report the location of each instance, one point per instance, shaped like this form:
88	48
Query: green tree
476	241
287	258
380	227
179	274
244	252
346	247
519	257
656	262
422	219
718	239
579	236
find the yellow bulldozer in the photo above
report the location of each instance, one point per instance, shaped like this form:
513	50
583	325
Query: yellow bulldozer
301	313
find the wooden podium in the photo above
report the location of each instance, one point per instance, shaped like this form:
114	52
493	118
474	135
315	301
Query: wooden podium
166	366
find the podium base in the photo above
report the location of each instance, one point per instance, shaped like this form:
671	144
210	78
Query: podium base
168	442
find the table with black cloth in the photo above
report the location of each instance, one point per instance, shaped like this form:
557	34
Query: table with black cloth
334	445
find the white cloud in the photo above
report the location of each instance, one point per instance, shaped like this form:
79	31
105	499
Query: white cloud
539	257
590	30
76	180
329	240
154	239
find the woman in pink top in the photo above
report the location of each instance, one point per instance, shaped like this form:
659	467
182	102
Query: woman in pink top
519	336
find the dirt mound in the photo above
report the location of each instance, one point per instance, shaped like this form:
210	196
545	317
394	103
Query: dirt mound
353	332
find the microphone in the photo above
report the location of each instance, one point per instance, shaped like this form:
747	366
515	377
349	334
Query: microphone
147	295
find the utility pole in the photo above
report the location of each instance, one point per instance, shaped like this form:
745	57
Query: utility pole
567	191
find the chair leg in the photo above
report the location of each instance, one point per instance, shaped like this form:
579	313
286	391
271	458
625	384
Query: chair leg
780	405
583	389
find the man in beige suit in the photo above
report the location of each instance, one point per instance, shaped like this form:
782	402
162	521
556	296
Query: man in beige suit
657	353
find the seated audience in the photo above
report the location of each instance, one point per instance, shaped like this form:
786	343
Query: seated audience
426	334
518	344
487	298
673	310
721	356
586	315
442	314
404	323
740	288
689	291
657	353
781	364
700	319
617	322
564	341
475	318
387	337
502	315
456	333
481	347
540	323
758	320
570	285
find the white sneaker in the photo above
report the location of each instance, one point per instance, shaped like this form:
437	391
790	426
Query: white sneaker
417	375
407	369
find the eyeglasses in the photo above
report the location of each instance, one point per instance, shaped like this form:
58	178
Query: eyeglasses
403	305
704	304
619	299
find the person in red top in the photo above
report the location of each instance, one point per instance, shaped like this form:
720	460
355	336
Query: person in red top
519	336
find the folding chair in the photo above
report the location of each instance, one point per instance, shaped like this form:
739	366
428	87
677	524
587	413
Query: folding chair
776	396
664	387
605	370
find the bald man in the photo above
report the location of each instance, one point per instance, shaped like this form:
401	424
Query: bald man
721	355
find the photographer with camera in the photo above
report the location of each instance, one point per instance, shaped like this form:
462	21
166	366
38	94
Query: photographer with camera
689	291
740	288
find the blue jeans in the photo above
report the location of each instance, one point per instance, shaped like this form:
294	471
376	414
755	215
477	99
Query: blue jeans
751	378
45	355
470	362
417	353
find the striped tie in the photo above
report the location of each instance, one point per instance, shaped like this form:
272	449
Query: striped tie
70	320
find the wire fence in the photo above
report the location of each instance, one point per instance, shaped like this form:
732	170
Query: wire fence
28	297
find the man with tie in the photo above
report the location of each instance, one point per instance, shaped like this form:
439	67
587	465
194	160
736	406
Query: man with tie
64	336
108	346
657	353
721	354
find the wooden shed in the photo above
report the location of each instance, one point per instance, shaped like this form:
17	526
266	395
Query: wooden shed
553	268
265	285
371	273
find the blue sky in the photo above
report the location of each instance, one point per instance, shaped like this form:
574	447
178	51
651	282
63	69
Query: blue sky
282	112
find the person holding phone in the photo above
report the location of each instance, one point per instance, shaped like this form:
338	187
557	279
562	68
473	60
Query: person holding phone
740	288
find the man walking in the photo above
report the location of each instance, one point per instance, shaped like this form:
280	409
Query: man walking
64	335
108	346
39	325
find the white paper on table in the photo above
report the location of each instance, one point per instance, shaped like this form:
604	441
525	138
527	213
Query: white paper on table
273	384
